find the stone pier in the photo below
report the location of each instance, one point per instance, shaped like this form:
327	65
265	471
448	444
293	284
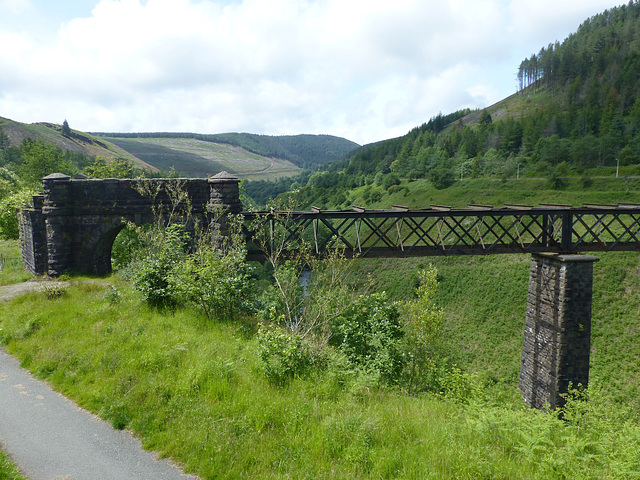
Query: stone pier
557	335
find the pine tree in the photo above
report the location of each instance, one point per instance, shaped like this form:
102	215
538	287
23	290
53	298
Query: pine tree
66	131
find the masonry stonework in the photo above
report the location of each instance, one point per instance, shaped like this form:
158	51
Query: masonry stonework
72	225
557	335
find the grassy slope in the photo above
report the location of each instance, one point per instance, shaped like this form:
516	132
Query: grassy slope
80	142
199	158
193	390
421	194
485	297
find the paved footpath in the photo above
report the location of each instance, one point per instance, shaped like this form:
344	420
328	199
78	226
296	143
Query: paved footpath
51	438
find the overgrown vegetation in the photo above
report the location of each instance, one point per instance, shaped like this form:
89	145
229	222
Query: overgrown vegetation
338	380
198	390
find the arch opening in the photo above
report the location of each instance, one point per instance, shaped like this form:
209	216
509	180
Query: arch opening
102	252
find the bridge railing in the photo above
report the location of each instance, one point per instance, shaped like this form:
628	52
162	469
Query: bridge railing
441	230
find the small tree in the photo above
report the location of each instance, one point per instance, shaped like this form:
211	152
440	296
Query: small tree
369	334
215	277
423	322
442	178
66	130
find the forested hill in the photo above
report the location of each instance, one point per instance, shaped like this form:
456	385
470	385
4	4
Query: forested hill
578	110
305	151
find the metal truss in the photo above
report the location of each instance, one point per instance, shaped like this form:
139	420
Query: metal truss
441	230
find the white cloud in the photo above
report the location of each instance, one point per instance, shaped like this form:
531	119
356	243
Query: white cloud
15	6
363	69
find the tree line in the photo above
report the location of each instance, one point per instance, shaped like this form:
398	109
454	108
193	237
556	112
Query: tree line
304	151
578	109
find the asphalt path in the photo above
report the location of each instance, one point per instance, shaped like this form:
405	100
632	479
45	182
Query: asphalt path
51	438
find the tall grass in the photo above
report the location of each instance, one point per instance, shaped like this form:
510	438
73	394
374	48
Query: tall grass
193	390
12	268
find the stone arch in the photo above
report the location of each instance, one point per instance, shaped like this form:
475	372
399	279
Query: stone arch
73	224
99	249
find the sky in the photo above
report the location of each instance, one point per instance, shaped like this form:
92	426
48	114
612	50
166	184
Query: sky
365	70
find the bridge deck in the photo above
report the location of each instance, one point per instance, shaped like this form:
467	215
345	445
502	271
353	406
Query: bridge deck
441	230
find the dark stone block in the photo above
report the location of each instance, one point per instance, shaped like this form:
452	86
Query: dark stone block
557	336
74	222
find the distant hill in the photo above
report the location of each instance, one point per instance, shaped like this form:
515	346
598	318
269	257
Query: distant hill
577	113
76	141
304	151
198	158
258	157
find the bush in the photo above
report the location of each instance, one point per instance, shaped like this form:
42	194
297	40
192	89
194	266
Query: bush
284	355
390	180
162	248
218	283
423	322
586	181
556	182
441	178
283	301
368	333
9	227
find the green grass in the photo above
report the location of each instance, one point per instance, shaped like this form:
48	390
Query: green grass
193	390
421	194
12	269
8	470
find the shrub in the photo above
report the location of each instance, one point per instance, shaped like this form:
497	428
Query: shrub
394	189
586	181
9	228
390	180
368	333
423	322
162	248
216	282
441	178
54	290
283	301
375	196
284	355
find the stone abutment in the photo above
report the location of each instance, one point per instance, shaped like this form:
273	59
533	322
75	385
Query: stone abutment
73	224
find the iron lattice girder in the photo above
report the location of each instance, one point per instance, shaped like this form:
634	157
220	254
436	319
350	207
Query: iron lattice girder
476	230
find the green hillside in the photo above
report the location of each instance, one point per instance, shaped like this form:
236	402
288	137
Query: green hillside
576	115
304	151
198	158
75	141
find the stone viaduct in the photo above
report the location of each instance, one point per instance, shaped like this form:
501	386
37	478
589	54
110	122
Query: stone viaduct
73	223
